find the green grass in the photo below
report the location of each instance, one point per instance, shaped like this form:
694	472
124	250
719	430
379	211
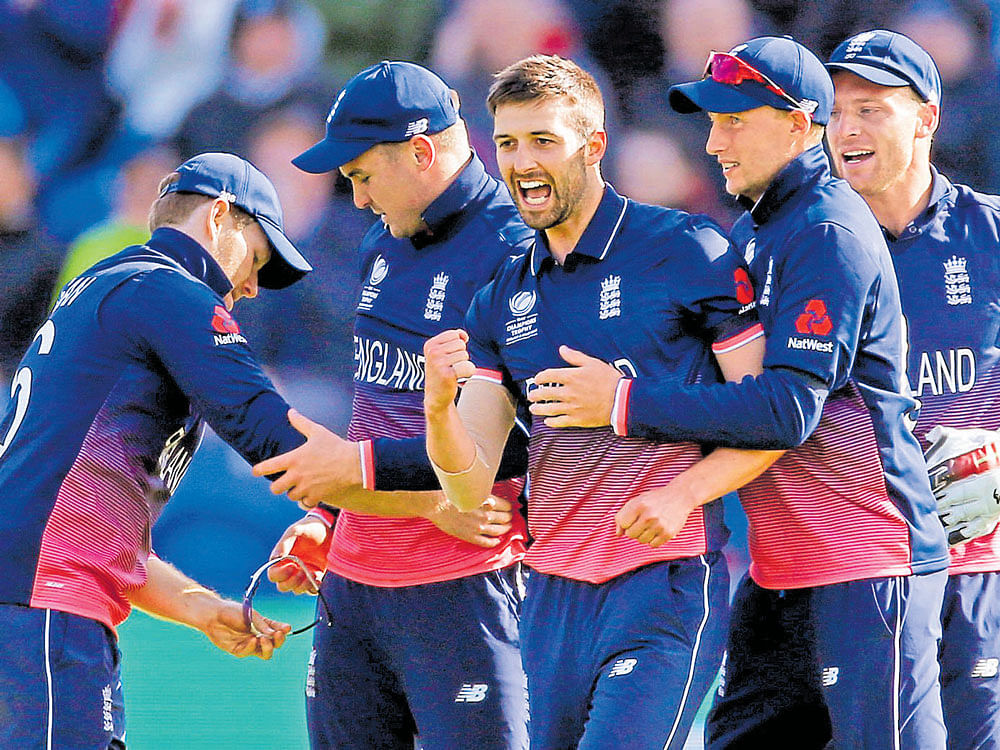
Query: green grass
183	693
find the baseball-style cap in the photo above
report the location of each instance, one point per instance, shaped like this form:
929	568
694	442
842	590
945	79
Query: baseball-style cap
888	58
386	103
227	175
773	71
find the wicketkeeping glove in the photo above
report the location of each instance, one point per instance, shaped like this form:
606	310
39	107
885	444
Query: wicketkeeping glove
964	469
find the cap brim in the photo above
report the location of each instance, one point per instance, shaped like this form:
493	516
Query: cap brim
711	96
329	154
286	266
878	76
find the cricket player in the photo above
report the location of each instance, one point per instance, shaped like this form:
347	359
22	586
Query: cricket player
107	408
835	629
944	241
620	640
427	598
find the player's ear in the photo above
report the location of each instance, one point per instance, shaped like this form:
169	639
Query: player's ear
218	210
801	123
929	114
423	151
596	146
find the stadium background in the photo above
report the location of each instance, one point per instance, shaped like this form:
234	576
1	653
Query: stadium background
101	98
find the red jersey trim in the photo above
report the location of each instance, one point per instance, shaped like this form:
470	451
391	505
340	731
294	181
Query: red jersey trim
619	409
740	339
492	376
366	450
323	515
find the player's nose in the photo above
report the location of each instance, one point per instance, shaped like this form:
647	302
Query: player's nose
714	143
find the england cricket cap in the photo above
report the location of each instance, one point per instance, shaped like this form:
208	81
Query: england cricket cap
386	103
220	175
791	68
888	58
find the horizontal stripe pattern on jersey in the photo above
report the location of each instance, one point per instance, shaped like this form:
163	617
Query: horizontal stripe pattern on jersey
648	290
96	542
805	530
948	267
853	501
411	289
106	415
572	523
410	551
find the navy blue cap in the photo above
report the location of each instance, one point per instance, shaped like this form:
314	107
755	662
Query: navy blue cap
386	103
227	175
888	58
796	70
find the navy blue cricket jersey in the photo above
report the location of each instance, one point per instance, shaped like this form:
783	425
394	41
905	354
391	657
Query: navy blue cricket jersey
107	408
853	500
412	289
948	265
652	291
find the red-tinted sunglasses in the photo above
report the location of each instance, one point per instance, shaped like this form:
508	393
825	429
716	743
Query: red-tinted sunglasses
728	69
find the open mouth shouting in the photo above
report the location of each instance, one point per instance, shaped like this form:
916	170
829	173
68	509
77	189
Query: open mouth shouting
534	193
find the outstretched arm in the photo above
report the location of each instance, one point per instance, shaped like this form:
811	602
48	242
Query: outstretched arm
173	596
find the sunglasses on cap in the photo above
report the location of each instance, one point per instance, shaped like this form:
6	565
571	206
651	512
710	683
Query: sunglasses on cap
730	70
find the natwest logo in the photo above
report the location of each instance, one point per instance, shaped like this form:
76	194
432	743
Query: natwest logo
223	322
744	289
815	319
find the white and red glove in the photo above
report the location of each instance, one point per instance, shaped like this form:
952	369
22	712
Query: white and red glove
964	469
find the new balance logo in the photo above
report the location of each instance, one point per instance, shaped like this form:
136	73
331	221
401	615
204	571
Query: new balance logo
416	127
986	668
830	676
622	667
472	692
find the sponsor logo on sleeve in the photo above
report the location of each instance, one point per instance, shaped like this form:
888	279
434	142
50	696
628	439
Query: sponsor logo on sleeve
744	290
227	330
816	321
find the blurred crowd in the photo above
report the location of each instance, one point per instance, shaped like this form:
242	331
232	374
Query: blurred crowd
101	98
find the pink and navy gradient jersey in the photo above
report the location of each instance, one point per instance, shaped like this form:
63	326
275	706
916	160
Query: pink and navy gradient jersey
649	290
948	265
108	407
852	501
412	289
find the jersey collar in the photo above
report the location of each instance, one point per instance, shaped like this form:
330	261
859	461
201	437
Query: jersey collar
442	214
596	240
808	167
941	190
192	257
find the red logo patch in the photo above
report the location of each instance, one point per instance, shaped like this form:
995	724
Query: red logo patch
744	289
814	319
223	322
